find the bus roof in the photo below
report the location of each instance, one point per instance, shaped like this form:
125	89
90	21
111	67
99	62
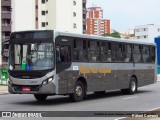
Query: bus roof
93	37
104	38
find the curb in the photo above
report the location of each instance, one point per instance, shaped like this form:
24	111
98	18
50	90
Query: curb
4	92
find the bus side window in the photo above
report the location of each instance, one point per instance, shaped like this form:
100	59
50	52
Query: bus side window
112	50
80	50
127	53
152	54
145	54
137	53
119	56
104	51
65	53
94	52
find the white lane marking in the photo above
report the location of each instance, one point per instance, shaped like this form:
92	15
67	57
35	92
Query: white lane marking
129	97
120	118
154	109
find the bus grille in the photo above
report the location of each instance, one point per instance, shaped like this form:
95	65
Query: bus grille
32	88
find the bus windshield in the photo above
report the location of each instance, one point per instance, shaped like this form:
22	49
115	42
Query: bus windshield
31	56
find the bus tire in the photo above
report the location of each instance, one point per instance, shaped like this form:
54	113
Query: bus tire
132	87
40	97
78	93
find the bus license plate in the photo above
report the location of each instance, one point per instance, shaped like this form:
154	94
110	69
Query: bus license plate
26	89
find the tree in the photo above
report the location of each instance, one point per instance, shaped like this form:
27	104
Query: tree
115	34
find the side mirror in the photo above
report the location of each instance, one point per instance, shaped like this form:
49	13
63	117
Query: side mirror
5	49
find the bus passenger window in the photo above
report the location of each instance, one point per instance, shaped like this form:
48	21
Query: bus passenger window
94	54
137	53
104	51
127	53
80	50
145	54
119	56
152	54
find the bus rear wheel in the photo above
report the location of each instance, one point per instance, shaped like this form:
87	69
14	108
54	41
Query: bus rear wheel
132	87
78	93
40	97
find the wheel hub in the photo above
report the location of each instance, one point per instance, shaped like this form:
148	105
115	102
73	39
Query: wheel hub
78	91
133	86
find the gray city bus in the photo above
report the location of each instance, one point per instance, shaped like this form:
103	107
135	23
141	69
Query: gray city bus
50	62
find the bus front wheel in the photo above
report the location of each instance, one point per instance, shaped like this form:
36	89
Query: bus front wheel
78	93
40	97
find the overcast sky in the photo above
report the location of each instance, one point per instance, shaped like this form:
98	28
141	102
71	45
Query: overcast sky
125	14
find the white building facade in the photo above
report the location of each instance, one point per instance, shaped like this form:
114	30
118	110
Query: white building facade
62	15
0	36
147	33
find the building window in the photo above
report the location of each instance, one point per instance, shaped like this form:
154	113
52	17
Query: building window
47	12
46	0
46	23
74	3
74	25
74	14
43	1
43	24
145	29
158	29
43	12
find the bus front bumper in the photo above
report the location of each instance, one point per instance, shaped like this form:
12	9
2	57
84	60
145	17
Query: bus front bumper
32	89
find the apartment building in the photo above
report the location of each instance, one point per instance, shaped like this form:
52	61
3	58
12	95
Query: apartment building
84	16
95	23
63	15
147	33
5	29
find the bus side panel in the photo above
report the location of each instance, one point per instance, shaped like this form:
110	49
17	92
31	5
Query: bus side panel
96	80
63	82
116	79
123	78
148	77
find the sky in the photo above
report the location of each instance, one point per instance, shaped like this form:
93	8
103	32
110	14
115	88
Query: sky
125	14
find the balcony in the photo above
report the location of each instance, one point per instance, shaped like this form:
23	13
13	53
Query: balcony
84	11
6	15
84	1
6	28
84	22
6	2
5	38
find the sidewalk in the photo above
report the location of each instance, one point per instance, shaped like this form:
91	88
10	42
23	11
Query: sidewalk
158	77
3	89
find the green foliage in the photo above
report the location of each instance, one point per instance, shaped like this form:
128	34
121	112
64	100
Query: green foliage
115	34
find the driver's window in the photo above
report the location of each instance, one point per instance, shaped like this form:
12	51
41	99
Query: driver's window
63	53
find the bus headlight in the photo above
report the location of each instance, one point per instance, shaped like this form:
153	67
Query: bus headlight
49	80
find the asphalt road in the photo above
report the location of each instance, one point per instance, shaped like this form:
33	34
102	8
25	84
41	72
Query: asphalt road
147	98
